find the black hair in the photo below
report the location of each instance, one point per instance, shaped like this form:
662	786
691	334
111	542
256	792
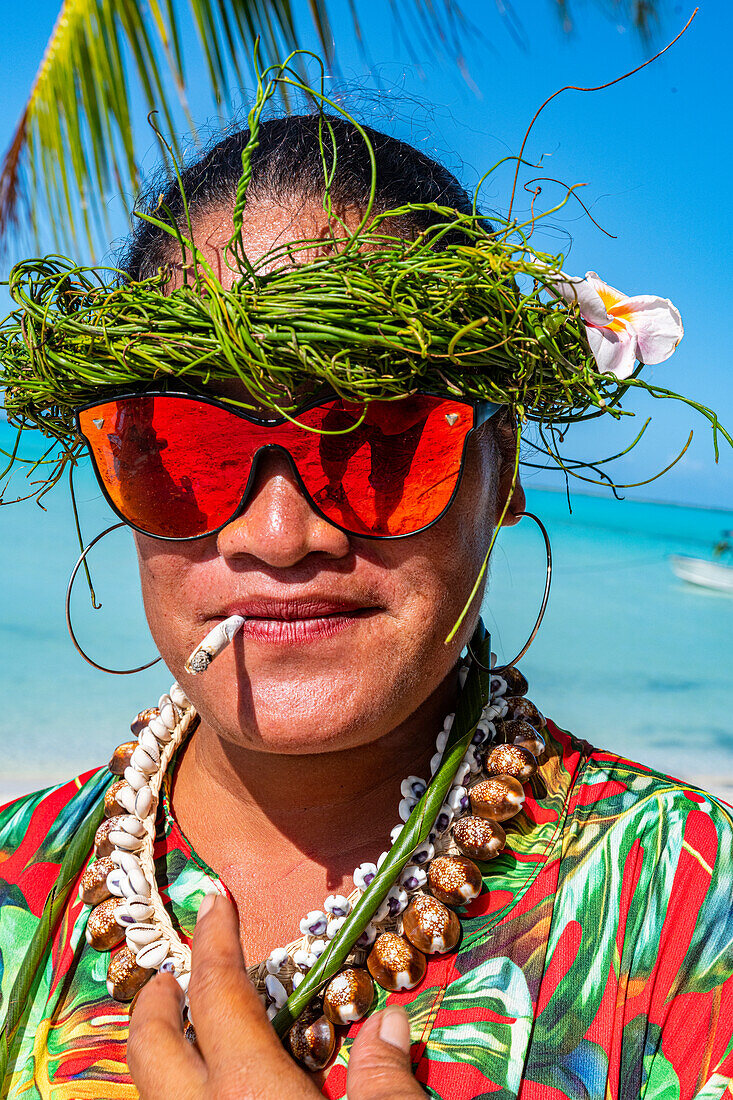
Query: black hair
287	164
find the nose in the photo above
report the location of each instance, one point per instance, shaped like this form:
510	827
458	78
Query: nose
278	525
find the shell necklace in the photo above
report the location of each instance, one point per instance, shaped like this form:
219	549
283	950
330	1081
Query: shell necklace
411	922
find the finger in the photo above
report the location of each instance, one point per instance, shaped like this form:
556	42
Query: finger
232	1029
379	1062
162	1062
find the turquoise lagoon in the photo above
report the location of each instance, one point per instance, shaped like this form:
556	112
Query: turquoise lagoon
628	657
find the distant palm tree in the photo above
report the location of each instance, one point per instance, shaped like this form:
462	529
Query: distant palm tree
74	140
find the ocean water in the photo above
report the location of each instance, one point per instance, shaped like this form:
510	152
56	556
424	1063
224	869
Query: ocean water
628	657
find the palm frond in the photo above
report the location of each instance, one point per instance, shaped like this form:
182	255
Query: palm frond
642	15
73	147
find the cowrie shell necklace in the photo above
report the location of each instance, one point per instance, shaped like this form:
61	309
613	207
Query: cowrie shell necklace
121	886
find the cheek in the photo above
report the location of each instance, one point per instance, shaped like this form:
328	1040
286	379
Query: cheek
166	580
435	570
435	575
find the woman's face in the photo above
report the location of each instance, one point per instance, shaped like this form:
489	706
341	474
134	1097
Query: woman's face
344	636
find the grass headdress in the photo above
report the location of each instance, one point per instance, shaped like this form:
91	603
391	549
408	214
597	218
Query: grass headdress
462	307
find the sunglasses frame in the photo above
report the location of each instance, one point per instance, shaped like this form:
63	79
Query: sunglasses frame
483	411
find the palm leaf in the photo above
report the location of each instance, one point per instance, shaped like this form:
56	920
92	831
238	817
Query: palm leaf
472	699
73	147
642	15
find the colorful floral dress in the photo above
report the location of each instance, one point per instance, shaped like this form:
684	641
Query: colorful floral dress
596	965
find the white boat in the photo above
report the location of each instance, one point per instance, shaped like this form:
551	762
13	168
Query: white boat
702	571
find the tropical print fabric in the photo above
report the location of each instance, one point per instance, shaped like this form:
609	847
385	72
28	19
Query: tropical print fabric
596	965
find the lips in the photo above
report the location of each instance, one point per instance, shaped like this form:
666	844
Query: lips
291	609
293	621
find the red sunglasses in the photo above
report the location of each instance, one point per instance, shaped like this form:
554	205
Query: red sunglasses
179	466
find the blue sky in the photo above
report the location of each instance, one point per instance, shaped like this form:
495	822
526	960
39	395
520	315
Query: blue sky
654	150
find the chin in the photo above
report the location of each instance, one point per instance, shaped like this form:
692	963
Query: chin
320	713
297	702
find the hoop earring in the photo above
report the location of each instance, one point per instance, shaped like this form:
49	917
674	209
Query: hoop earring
543	607
69	627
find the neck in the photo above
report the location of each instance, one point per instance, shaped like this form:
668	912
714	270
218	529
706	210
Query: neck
307	820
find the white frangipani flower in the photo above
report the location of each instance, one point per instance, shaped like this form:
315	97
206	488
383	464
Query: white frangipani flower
621	329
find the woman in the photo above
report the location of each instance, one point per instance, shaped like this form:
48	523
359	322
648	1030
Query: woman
595	956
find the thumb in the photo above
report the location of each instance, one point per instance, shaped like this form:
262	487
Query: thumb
379	1062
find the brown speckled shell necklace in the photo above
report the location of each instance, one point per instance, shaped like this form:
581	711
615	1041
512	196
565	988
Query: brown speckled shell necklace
417	918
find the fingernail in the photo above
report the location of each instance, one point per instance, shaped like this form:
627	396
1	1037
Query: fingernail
206	905
394	1028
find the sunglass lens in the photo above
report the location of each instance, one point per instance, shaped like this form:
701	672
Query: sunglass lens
393	470
171	467
178	468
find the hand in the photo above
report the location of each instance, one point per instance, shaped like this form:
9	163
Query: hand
237	1054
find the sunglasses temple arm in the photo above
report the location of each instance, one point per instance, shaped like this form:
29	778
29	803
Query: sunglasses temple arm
485	410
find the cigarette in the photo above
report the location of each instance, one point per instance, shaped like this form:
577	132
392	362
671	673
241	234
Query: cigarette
213	644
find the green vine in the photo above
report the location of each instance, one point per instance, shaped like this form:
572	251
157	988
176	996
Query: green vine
463	308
